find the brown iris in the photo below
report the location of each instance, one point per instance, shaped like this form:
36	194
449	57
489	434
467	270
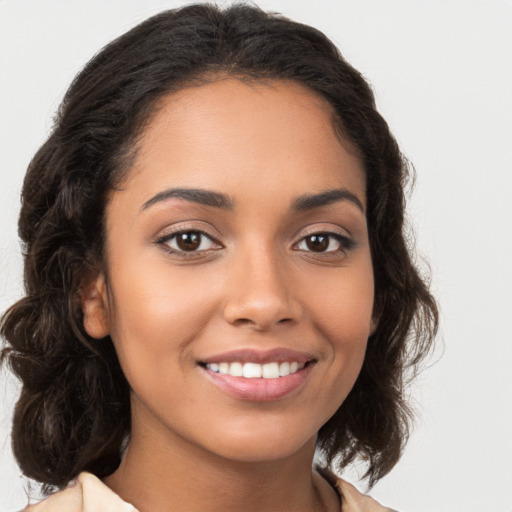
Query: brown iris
317	243
188	241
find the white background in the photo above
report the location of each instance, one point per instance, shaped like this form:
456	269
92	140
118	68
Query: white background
442	75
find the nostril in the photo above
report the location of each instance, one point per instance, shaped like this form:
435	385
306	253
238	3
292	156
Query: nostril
245	322
260	311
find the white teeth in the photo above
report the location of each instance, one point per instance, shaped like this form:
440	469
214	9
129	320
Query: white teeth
270	371
236	369
254	370
284	369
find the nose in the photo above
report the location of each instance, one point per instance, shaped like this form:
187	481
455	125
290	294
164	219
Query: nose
260	292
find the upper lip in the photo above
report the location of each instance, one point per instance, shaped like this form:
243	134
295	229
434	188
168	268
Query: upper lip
249	355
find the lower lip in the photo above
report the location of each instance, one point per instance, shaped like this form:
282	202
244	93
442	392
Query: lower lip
259	390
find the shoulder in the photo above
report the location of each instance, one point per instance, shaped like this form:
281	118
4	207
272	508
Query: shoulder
86	494
89	494
354	501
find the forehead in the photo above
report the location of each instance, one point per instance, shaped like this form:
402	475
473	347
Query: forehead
245	135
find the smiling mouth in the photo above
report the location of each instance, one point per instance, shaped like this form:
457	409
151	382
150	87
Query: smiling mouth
261	377
272	370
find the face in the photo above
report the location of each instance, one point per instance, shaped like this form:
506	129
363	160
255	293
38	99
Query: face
240	284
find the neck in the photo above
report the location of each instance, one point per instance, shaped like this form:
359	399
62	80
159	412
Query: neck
171	474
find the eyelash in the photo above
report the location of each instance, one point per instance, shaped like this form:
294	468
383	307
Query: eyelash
346	243
165	239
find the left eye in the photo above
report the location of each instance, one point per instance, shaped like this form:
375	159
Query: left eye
321	242
189	241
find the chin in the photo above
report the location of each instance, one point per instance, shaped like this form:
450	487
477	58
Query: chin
263	453
263	445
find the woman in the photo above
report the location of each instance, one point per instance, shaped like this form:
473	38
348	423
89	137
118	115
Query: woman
217	277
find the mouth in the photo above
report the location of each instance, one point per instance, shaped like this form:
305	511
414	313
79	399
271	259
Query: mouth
258	376
273	370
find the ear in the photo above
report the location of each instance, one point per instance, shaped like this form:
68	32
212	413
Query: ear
374	322
94	300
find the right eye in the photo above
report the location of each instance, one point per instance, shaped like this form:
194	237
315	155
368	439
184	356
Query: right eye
188	241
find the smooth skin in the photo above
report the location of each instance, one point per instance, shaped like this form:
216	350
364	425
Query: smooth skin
256	268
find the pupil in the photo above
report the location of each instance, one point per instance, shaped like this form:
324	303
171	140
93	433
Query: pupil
189	241
317	243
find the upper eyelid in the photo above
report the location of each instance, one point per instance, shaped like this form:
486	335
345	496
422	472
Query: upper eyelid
173	230
334	234
330	230
327	231
172	234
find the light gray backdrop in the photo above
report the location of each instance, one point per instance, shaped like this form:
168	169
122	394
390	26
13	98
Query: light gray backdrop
442	75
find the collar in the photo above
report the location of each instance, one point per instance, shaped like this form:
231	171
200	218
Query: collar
89	494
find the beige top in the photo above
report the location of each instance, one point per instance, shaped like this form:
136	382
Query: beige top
89	494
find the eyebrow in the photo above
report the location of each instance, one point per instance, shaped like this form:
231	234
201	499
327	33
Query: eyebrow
195	195
217	200
311	201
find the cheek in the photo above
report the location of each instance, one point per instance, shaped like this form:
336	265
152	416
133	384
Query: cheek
343	315
155	315
344	307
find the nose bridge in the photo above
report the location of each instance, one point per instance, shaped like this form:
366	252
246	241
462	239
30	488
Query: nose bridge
260	292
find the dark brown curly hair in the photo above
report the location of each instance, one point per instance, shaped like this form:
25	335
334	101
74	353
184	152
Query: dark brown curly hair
73	413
